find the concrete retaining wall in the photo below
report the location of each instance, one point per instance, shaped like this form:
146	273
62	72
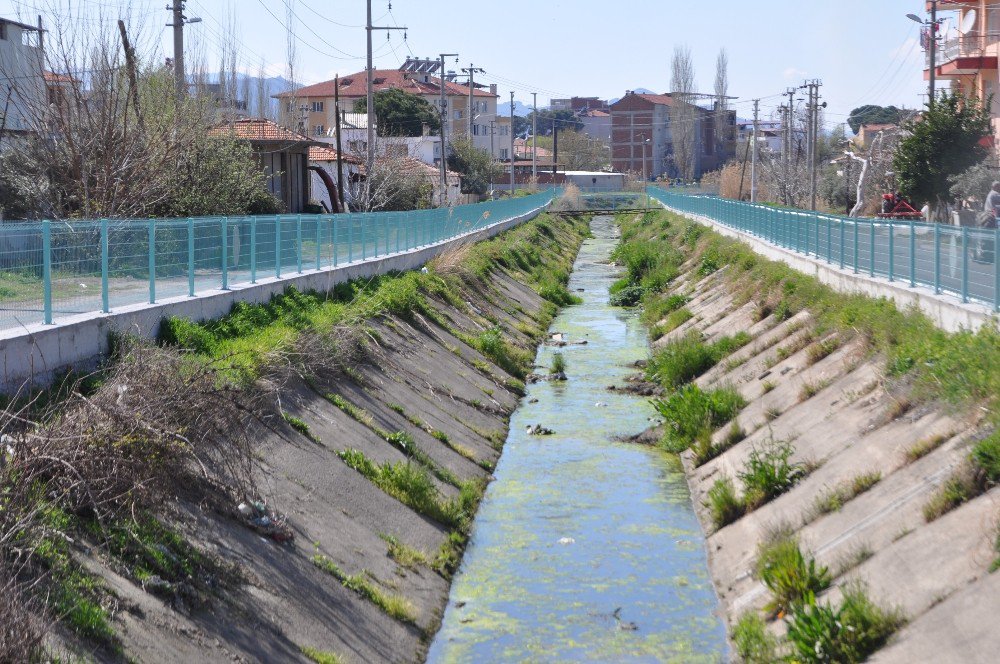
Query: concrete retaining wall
31	356
947	312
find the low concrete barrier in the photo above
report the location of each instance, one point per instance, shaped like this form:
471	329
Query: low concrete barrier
33	355
947	312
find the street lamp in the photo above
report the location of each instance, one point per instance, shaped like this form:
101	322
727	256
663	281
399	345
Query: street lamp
932	26
644	176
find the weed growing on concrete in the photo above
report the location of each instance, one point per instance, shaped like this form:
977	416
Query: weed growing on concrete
820	350
656	307
986	456
791	576
754	644
300	426
723	503
403	554
767	386
684	359
769	472
511	359
961	487
835	498
320	656
924	447
395	606
690	411
811	389
848	634
856	556
409	483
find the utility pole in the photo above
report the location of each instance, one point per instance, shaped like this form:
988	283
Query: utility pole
555	148
933	52
444	124
180	85
340	152
534	134
789	135
814	157
512	144
371	91
471	71
753	164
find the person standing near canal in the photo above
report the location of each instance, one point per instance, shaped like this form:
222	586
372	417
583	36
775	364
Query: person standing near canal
985	249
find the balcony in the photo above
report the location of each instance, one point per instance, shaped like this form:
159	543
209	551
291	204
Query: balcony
966	55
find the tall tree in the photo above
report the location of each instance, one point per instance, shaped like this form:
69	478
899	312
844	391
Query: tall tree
683	113
476	166
401	113
945	141
722	129
871	114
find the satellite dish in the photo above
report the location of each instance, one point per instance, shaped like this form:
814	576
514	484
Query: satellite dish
968	21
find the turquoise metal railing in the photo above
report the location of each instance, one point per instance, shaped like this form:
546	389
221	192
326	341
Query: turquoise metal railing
960	260
50	270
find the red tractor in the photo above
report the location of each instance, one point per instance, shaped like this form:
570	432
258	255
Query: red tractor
895	206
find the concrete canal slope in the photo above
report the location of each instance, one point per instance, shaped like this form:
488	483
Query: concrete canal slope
377	458
875	452
585	548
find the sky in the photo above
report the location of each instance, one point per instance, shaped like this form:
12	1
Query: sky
864	51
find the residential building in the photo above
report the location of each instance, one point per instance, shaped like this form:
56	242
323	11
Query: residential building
313	105
868	132
282	153
578	104
23	95
769	133
642	141
597	124
969	60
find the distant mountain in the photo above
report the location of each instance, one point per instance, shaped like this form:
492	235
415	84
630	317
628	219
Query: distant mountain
643	91
520	109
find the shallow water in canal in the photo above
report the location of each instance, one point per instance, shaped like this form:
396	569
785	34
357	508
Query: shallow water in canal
584	549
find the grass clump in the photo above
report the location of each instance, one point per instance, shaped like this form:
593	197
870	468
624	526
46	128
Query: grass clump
657	308
986	457
924	447
511	359
684	359
690	411
723	503
320	656
403	554
837	497
962	486
395	606
769	472
791	576
300	426
847	634
558	367
754	644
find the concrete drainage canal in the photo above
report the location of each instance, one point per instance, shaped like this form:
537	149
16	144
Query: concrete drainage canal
584	549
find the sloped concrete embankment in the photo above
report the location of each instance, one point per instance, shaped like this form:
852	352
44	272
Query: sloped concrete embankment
423	383
845	419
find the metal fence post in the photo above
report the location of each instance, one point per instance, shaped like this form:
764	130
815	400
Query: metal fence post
152	261
871	249
253	249
350	241
892	251
277	246
996	270
334	231
399	224
190	234
965	264
298	243
840	222
913	254
855	245
829	240
319	240
47	270
105	296
224	225
937	258
364	245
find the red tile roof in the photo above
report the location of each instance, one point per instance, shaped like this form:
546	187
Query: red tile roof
52	77
327	153
356	85
660	100
259	129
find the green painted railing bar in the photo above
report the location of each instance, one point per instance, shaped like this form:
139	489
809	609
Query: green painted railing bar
149	260
152	261
47	271
967	265
190	237
105	295
225	255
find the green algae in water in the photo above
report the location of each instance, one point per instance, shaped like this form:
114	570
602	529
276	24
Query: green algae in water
577	525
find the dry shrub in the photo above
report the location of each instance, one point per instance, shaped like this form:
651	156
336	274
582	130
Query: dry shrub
570	199
729	183
453	261
319	355
158	423
21	626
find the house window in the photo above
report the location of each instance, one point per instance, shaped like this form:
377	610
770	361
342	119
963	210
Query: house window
319	130
458	115
475	130
317	107
503	153
3	31
29	38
